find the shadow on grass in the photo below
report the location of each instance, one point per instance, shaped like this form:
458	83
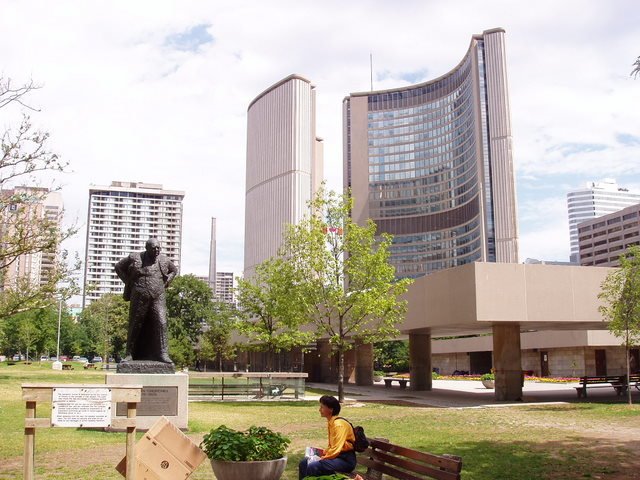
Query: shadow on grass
557	460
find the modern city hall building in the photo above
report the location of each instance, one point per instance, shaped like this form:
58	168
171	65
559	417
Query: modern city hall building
284	165
120	220
432	164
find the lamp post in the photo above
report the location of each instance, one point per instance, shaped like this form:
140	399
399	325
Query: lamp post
57	365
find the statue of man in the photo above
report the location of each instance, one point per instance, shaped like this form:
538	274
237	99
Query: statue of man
146	276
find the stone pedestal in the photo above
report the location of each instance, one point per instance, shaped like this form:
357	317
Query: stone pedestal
420	361
507	362
162	395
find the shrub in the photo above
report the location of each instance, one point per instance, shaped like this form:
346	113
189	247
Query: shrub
254	444
488	376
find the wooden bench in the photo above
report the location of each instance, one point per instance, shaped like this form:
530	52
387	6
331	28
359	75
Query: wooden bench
67	366
404	463
618	382
89	365
389	380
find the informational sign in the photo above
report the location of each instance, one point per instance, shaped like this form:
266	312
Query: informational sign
81	407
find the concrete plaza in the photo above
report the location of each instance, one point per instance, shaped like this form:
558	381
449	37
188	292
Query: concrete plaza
472	394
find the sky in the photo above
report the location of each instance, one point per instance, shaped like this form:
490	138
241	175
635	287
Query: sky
157	92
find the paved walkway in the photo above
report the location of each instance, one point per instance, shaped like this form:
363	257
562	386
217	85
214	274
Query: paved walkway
470	394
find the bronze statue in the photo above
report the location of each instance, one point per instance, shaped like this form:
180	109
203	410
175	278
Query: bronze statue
146	275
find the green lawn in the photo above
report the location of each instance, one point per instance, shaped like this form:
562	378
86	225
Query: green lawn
581	440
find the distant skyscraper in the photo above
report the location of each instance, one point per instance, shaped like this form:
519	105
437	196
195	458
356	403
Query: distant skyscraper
596	200
225	287
121	218
284	165
432	164
35	203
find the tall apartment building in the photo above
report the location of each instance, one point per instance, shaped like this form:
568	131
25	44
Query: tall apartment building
284	165
602	240
432	164
121	218
596	200
34	203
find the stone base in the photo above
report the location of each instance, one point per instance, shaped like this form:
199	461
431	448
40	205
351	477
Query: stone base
146	367
162	395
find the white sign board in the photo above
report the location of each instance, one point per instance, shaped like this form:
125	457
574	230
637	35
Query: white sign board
81	407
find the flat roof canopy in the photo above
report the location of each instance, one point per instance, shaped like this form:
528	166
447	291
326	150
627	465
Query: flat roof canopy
473	297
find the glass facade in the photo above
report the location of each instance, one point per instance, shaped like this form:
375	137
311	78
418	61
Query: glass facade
425	186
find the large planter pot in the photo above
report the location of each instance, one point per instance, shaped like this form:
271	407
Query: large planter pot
488	383
267	470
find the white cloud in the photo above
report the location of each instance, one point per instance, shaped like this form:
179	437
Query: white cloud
122	102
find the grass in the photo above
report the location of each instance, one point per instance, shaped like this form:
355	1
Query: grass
580	440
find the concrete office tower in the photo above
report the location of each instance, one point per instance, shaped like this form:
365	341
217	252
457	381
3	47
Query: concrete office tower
432	164
596	200
121	218
38	203
284	165
212	257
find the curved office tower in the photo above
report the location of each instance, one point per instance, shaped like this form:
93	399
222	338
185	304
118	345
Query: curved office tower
432	164
284	165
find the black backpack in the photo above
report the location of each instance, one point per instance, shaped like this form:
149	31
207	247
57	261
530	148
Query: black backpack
361	442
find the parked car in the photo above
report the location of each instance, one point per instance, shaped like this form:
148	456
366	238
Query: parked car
76	358
64	358
96	359
17	358
44	358
83	359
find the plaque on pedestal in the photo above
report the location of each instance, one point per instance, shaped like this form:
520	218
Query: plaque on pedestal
162	395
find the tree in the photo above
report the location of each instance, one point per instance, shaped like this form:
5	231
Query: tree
636	68
621	308
24	228
27	334
391	356
188	303
274	308
105	323
215	342
348	282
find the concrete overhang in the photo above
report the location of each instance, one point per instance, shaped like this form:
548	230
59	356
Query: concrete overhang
473	297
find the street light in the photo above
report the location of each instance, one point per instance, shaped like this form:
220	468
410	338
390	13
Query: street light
57	365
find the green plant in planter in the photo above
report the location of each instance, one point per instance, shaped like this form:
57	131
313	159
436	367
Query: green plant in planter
488	376
254	444
378	373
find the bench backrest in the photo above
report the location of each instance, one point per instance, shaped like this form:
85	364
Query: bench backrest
408	464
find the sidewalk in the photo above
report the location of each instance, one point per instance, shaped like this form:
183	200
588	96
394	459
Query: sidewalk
470	394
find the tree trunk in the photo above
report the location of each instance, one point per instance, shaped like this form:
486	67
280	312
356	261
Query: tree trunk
340	374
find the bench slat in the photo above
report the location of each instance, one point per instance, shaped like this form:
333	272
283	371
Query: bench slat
382	467
437	460
414	467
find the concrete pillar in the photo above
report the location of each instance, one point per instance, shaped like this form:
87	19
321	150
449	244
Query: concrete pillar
349	366
420	361
324	351
364	363
507	362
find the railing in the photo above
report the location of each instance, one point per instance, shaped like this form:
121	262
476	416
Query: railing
246	385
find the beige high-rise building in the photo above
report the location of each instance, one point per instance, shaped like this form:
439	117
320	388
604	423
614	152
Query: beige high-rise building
36	203
432	164
284	165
